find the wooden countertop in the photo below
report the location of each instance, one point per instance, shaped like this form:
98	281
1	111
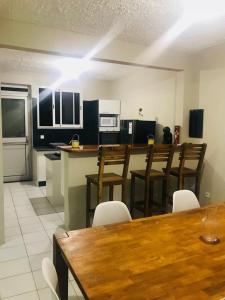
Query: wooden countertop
137	148
94	148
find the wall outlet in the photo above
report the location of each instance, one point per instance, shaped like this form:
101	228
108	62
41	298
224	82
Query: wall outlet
42	137
207	195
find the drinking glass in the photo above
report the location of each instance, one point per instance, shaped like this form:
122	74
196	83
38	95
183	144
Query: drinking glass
210	226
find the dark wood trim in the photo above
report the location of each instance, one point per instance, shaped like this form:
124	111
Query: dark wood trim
105	60
62	266
61	269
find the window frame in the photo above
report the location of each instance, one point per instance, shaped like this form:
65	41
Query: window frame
61	126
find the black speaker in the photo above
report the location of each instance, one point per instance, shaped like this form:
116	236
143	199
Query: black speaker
196	123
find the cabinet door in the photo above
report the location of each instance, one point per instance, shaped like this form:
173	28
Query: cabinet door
45	103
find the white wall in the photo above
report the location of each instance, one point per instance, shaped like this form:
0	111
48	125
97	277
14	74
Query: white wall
1	186
153	91
209	94
157	92
212	100
90	88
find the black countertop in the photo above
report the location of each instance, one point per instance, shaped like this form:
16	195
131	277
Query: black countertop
53	156
51	147
44	148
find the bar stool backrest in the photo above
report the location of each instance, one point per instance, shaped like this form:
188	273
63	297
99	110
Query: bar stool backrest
192	152
113	155
159	153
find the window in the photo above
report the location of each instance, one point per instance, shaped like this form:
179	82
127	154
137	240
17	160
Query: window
13	118
59	109
67	108
45	107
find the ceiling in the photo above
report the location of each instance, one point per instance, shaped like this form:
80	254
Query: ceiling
138	21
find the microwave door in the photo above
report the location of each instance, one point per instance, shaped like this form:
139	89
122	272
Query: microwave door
107	122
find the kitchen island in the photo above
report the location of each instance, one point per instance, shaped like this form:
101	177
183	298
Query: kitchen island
78	162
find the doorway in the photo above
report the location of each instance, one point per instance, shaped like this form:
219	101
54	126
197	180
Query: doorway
15	134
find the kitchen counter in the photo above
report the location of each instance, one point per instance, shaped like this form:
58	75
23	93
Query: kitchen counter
95	148
76	163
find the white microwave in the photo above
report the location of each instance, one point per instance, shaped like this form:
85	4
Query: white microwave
108	121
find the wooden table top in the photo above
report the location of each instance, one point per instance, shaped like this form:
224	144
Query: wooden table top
159	257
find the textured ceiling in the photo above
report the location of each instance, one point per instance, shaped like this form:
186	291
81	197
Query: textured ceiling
138	18
139	21
20	61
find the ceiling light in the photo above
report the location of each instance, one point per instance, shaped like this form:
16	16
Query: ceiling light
72	68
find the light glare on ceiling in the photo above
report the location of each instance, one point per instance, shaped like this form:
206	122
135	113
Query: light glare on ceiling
72	68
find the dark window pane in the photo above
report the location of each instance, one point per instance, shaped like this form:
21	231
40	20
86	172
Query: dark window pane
13	118
77	108
45	107
57	107
67	108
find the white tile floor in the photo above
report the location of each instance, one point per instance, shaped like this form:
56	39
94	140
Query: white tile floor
21	255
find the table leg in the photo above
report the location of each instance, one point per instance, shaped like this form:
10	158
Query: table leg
61	269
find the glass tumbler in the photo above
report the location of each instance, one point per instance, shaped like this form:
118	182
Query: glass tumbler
210	226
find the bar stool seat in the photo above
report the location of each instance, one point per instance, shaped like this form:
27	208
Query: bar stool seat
107	179
153	173
186	171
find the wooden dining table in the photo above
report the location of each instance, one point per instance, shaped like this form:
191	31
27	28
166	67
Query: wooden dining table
160	257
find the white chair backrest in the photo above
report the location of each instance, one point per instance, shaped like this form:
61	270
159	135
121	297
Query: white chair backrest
184	200
110	213
50	276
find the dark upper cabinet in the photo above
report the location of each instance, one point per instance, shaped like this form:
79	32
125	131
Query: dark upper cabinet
59	109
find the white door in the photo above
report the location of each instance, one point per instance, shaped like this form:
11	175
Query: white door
15	137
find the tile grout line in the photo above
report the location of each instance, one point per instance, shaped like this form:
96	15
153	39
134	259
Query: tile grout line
44	229
27	253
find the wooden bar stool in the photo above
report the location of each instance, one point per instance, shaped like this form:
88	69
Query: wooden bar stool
190	152
113	155
155	153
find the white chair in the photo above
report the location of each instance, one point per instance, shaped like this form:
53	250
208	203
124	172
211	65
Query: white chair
184	200
50	276
111	212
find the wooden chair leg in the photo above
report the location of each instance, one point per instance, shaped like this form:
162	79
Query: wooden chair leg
197	186
165	195
110	192
99	194
88	203
132	195
146	198
151	197
124	192
181	182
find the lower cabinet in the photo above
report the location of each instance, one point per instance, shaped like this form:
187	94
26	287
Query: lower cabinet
39	166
